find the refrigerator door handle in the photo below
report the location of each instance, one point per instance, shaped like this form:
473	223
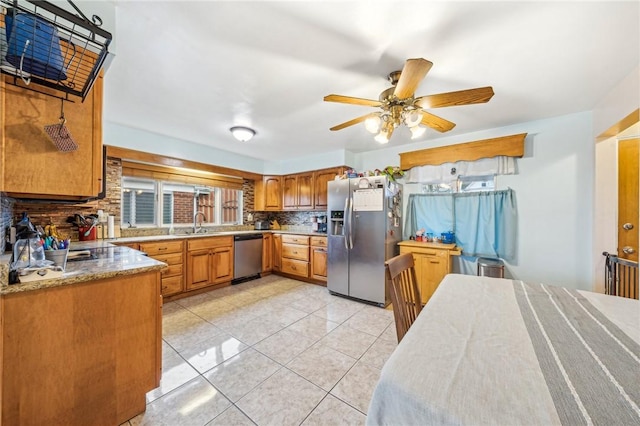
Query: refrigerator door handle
351	222
345	231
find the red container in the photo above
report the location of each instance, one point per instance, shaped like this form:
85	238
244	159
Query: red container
82	230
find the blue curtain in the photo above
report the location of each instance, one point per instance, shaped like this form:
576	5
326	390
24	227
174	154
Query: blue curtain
431	212
484	222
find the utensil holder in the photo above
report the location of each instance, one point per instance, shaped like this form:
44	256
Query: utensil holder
83	230
58	257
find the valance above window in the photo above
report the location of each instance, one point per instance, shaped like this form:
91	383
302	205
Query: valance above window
507	146
448	172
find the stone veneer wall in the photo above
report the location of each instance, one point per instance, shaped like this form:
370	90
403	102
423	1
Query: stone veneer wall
6	216
43	213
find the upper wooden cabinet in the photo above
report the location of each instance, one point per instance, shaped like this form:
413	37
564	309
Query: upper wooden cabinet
300	191
31	165
268	193
320	179
297	192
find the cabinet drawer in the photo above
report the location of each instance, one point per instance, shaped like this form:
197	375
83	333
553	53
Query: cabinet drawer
294	251
319	241
162	247
169	259
207	243
172	270
295	267
295	239
424	251
171	285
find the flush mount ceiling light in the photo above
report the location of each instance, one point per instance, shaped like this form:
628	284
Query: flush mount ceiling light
399	105
241	133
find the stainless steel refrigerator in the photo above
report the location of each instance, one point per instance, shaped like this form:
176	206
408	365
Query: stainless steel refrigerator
363	231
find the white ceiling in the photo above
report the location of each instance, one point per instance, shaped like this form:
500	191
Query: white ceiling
191	70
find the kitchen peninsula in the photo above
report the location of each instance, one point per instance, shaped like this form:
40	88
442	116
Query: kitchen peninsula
84	348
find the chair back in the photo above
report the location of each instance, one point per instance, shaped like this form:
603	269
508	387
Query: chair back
405	294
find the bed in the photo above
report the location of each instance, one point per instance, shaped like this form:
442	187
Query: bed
504	352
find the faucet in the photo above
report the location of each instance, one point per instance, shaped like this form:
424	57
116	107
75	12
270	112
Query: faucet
197	228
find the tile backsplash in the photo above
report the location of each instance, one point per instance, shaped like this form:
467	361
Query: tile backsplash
6	215
43	213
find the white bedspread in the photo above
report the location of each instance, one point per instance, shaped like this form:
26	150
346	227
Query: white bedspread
502	352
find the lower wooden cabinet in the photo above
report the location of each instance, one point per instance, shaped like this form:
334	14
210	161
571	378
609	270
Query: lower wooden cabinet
267	252
209	261
277	252
301	256
295	255
432	261
172	253
319	258
80	354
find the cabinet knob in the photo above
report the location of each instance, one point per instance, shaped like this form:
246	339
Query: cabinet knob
628	250
627	226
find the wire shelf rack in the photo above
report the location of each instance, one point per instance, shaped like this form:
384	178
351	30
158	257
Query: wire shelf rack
43	45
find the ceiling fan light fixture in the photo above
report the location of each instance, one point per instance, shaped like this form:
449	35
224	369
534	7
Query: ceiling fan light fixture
241	133
412	118
383	136
417	131
372	124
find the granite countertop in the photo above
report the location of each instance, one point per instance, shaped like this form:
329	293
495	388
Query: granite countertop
112	261
115	260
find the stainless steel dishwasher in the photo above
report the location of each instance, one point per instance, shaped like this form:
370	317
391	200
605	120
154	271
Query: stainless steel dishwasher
247	257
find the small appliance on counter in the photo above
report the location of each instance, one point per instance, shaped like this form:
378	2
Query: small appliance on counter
262	225
319	223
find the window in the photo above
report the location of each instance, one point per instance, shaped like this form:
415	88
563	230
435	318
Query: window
462	184
179	203
138	206
476	183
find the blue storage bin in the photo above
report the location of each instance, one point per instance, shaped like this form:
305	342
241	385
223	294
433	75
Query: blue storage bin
39	43
448	237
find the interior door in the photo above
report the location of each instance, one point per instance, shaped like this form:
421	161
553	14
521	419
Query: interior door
628	198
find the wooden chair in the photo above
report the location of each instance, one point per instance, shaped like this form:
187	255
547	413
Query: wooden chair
405	294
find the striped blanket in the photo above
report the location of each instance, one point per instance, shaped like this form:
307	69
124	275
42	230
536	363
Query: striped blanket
502	352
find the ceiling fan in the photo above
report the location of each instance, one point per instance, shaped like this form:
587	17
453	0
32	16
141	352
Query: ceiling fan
398	104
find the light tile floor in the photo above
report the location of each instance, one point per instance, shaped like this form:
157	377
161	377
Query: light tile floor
272	351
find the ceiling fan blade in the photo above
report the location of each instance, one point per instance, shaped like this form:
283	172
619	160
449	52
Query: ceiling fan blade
462	97
352	100
436	123
351	122
412	74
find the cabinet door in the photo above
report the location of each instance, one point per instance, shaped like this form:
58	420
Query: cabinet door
277	252
222	264
272	193
321	179
32	165
267	253
268	193
199	269
319	263
433	268
305	191
289	192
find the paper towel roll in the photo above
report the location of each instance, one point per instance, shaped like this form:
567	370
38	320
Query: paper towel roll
111	227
